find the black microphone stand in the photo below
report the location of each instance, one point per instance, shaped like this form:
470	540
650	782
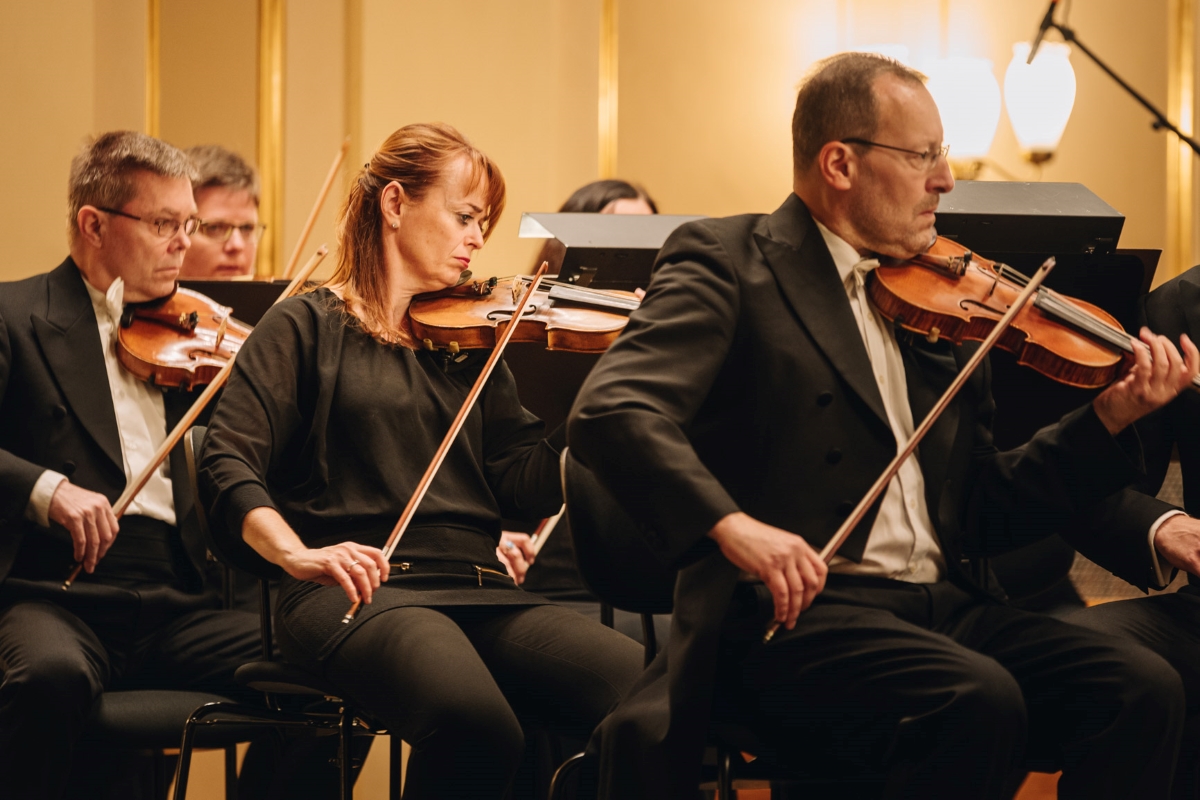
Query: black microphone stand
1160	121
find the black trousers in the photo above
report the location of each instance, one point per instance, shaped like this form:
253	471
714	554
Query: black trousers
452	682
54	665
1168	624
951	697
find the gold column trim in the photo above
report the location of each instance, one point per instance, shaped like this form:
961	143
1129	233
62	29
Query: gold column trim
353	88
944	28
270	133
153	75
1181	198
607	111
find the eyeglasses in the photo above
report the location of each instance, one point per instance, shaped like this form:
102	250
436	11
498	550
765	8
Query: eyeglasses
164	227
222	231
926	160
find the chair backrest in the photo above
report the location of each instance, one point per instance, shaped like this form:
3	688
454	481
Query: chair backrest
615	562
226	546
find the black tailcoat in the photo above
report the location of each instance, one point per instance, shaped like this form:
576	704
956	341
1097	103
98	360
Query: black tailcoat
56	410
742	384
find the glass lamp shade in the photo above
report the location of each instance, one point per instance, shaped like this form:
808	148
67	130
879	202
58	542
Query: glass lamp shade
1039	97
968	98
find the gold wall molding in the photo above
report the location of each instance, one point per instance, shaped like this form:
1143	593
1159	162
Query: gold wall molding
607	111
1181	161
153	74
270	133
353	87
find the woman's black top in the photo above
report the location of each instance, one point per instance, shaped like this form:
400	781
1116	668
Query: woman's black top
334	429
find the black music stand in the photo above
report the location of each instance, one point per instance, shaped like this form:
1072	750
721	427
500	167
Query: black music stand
248	299
605	251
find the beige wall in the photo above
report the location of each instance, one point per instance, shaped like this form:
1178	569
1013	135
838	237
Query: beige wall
519	79
314	124
46	93
705	110
208	61
706	92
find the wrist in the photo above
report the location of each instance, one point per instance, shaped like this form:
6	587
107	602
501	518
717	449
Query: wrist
1108	417
726	527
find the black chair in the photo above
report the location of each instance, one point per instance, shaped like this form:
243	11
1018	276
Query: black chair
269	676
618	566
149	720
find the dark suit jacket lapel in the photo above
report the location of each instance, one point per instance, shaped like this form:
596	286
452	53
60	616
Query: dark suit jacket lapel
796	253
70	342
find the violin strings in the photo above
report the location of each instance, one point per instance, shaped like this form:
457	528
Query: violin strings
1065	312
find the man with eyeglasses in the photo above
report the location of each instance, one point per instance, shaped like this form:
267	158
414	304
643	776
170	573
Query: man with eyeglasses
748	406
75	427
227	194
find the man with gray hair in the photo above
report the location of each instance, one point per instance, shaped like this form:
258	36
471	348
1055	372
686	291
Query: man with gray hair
227	193
75	428
748	406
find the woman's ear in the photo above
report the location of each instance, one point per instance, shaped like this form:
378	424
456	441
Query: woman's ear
391	204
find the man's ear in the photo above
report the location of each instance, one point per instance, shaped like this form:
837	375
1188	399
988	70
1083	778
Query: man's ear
837	164
91	224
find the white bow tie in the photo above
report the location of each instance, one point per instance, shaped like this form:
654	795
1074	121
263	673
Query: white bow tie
862	269
114	302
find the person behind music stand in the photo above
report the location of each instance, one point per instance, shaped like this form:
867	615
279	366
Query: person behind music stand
227	194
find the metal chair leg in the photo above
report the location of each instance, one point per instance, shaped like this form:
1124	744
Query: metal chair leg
183	765
724	774
397	759
231	776
346	753
562	776
650	638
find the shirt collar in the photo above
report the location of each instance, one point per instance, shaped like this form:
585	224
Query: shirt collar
110	303
845	257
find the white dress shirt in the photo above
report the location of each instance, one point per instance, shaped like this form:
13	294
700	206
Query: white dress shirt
902	545
141	422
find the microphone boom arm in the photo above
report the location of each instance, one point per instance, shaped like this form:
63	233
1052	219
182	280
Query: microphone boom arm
1160	120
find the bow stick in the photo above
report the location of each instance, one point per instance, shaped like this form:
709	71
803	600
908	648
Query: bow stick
316	209
544	529
831	547
182	426
440	456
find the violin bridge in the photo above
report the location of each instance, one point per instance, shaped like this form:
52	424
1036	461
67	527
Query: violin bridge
221	330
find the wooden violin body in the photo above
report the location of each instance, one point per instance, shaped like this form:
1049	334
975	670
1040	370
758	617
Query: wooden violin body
952	293
474	316
181	341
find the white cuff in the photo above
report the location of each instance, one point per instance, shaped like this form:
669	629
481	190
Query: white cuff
1161	565
38	508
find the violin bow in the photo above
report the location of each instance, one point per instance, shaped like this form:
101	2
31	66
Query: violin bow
316	209
831	547
431	471
544	529
182	426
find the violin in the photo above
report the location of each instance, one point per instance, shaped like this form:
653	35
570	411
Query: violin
179	341
183	313
475	315
949	292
